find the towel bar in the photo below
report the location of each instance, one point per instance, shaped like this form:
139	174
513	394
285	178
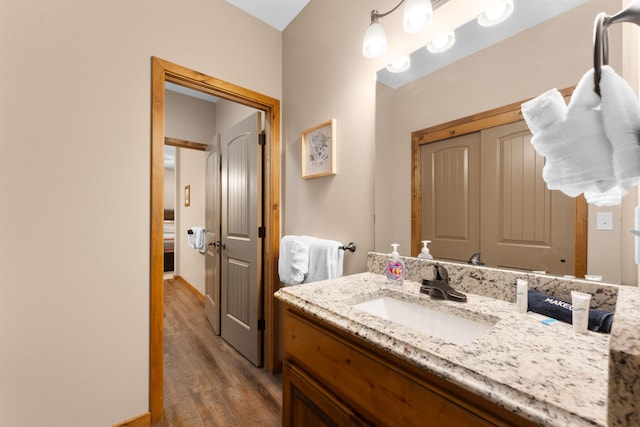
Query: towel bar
631	13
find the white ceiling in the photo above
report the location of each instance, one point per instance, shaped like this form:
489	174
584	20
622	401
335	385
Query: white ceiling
277	13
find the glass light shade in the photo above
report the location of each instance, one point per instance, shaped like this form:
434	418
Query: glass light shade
496	14
418	15
400	65
375	41
442	43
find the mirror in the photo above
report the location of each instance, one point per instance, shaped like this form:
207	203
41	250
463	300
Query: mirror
553	53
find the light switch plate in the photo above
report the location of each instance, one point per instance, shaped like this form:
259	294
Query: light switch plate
604	221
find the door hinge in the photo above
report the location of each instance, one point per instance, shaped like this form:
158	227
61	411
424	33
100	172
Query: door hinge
262	232
262	138
261	325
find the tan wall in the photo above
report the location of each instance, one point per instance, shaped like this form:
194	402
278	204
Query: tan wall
191	172
169	188
74	256
327	77
189	119
229	113
556	53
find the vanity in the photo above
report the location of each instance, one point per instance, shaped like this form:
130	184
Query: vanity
346	365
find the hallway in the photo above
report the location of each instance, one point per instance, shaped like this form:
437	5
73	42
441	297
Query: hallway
206	381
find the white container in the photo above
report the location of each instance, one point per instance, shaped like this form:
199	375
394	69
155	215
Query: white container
580	311
522	295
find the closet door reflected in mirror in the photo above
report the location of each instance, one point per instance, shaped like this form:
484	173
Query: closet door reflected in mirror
484	192
524	224
451	196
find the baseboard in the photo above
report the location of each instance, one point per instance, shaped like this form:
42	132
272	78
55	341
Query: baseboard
143	420
190	287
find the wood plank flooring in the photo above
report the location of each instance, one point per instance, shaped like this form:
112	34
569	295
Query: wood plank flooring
206	381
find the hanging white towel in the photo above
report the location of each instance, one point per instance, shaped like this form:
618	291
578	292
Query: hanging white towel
196	239
293	263
544	111
325	260
578	154
621	115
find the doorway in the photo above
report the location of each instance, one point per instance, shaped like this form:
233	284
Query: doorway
161	72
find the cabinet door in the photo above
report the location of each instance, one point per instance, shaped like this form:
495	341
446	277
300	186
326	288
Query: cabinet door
306	403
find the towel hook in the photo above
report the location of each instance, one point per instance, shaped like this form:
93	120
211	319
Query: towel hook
631	13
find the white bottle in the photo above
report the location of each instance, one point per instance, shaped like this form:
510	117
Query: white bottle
522	295
394	268
424	253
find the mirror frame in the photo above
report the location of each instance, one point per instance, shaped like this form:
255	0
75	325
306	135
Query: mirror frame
499	116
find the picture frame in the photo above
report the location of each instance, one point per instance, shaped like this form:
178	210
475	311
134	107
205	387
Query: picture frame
318	154
187	195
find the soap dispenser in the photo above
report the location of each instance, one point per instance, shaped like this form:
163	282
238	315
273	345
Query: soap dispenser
394	267
424	253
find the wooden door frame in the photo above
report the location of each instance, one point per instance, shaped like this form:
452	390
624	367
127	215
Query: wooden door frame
499	116
163	71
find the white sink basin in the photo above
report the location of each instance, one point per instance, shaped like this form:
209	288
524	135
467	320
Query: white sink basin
446	326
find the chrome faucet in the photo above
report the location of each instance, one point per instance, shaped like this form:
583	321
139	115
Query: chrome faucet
439	287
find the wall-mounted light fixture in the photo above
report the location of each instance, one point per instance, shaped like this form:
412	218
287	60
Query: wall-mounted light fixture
418	14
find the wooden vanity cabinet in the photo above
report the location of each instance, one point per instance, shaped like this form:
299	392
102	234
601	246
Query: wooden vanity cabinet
332	378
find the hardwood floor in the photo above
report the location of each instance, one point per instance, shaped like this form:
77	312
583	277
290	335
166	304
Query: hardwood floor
206	381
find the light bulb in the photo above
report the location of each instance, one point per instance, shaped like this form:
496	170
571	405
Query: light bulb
374	44
418	15
400	65
496	14
442	43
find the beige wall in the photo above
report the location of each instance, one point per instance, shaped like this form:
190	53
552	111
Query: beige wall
74	255
556	53
327	77
190	119
170	188
191	172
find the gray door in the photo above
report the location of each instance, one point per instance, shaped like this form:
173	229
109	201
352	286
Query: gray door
241	248
212	236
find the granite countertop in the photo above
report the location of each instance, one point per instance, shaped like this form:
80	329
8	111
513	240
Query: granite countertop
547	374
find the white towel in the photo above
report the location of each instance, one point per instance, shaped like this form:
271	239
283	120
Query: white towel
612	197
544	110
196	239
325	260
577	151
293	263
621	114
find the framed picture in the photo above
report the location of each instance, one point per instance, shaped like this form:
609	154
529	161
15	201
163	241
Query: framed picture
187	195
319	150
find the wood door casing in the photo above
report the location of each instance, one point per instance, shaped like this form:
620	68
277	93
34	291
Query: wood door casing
474	123
164	71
